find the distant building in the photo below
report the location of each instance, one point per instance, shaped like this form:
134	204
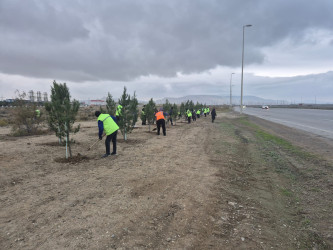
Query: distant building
93	102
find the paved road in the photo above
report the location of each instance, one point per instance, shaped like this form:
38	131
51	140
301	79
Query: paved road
315	121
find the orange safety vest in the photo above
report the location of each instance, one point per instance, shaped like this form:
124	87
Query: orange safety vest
159	115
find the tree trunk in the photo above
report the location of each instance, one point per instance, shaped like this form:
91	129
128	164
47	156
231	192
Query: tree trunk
125	134
69	146
59	135
68	143
66	149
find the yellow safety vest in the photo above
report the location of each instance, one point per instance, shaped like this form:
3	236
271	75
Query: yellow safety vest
189	113
109	124
118	111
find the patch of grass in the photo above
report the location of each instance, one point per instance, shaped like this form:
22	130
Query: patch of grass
227	126
273	154
284	144
286	192
274	139
278	141
315	189
306	222
246	122
3	122
227	129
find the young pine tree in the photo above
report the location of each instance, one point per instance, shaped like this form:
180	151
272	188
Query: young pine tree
134	109
110	105
129	113
175	113
167	106
150	112
62	114
182	109
198	106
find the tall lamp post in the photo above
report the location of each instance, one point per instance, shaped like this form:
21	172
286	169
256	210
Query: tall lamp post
241	105
230	90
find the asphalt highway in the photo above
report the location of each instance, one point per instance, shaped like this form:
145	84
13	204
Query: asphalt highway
316	121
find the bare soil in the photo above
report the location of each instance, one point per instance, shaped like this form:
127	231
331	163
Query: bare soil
205	185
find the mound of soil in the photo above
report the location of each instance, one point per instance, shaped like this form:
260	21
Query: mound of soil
75	159
52	144
131	141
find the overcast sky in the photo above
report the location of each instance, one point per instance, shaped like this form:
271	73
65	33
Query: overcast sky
168	48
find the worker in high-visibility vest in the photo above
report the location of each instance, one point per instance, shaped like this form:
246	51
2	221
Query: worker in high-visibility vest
107	124
160	121
118	111
37	113
198	113
143	115
189	115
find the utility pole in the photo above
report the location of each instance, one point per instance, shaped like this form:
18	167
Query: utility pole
241	107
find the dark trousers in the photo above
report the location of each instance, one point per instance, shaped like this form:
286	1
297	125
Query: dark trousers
198	115
113	138
159	123
189	119
213	118
171	120
205	114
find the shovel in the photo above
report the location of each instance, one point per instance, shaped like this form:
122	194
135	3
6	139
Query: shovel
94	143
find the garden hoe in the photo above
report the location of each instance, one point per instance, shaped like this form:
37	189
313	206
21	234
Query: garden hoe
94	143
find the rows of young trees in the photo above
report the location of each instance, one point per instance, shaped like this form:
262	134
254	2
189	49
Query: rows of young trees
61	113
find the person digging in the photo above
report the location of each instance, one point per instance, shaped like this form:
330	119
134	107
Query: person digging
160	121
107	124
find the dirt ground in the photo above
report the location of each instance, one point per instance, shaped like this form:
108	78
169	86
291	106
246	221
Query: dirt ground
222	185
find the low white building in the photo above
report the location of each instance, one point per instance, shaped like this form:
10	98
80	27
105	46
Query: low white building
92	102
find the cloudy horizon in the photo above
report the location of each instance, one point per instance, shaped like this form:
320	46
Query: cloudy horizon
168	48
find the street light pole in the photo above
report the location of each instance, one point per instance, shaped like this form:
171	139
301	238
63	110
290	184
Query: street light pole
241	105
230	90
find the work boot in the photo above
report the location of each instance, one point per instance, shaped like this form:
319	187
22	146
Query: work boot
105	155
113	153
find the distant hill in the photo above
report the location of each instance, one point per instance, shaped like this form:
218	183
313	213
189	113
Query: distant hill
219	100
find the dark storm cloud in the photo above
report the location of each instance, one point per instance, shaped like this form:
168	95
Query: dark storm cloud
123	40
